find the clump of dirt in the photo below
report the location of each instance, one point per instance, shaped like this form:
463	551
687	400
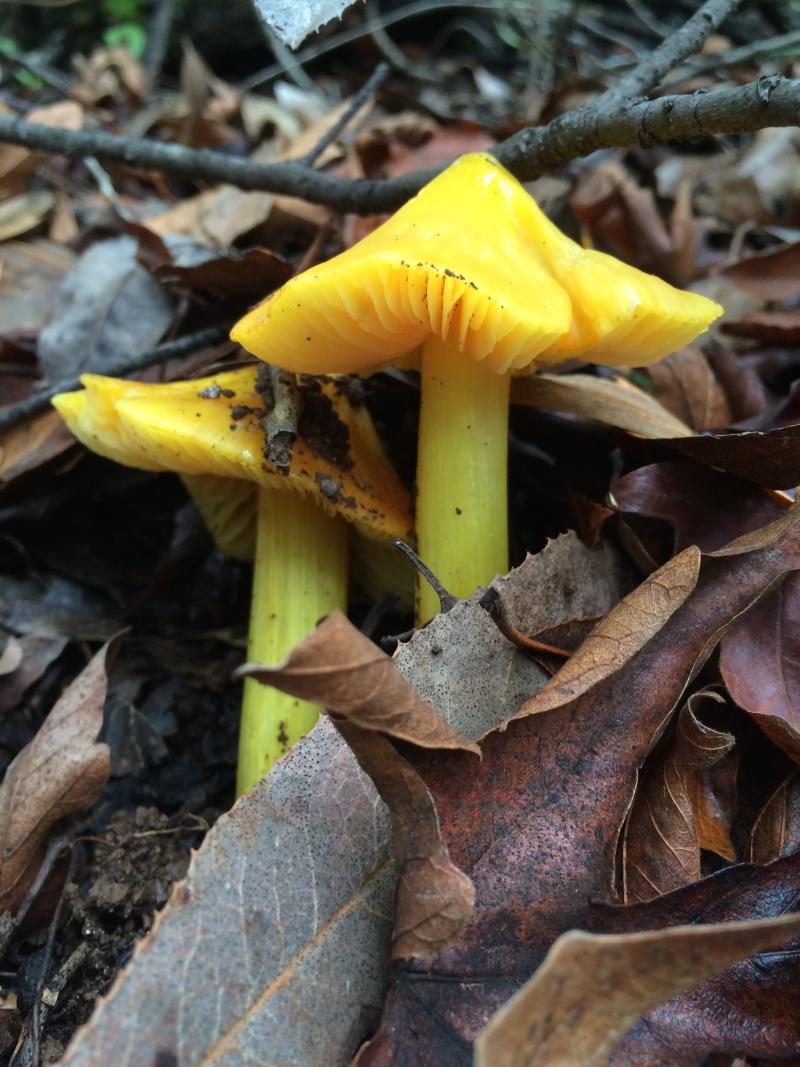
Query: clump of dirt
123	875
321	427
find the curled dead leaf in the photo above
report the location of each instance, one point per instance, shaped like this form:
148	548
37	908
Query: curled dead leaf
60	772
661	840
616	403
341	669
370	702
621	634
591	988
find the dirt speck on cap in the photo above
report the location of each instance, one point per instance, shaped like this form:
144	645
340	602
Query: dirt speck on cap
328	486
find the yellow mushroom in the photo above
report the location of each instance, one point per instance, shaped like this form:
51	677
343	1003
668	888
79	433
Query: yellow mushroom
472	271
210	432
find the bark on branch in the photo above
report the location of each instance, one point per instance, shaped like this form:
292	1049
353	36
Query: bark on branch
769	101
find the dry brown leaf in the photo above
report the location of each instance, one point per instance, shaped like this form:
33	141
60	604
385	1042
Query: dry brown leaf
341	669
21	213
591	989
11	656
37	655
17	162
760	663
29	274
687	386
621	634
623	215
768	327
360	687
715	806
311	135
109	73
25	447
776	831
434	899
616	403
771	275
285	913
61	771
576	585
63	224
661	841
216	217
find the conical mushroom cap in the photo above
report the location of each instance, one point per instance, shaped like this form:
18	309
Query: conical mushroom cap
212	426
471	258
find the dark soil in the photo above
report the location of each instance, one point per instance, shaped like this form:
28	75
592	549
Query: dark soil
120	548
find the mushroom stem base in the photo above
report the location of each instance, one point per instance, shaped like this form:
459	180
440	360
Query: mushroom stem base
299	575
462	473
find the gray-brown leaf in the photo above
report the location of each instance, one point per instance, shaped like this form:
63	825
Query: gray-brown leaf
61	771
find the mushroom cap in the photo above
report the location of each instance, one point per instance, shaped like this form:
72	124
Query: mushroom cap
212	426
473	258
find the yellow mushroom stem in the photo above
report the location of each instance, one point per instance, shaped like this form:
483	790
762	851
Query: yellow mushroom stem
299	575
462	473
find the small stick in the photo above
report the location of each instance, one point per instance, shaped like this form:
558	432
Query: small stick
528	153
37	1020
291	65
369	87
446	599
685	41
40	400
280	422
158	34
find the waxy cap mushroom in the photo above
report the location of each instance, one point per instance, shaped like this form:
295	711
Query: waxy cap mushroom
473	260
295	522
472	271
212	426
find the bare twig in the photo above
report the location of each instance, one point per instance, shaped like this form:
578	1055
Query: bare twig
672	51
773	101
54	78
394	55
158	34
648	19
785	44
446	598
369	87
40	401
41	1011
289	63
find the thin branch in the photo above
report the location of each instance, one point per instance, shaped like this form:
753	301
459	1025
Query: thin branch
40	400
289	62
158	34
391	52
785	44
446	598
369	87
771	101
689	39
49	75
